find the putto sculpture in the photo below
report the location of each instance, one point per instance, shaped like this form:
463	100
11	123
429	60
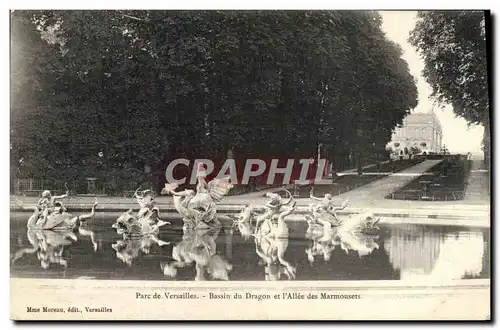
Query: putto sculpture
276	208
147	220
270	233
131	225
273	224
198	208
243	221
50	214
51	228
140	231
327	231
149	211
325	210
269	218
324	214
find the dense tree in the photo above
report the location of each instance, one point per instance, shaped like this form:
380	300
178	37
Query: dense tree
32	74
133	88
453	45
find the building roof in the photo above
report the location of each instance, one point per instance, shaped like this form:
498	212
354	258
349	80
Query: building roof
422	118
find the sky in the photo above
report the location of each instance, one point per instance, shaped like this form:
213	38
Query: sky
457	136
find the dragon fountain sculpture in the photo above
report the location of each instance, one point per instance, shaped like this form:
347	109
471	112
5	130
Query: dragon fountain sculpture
198	208
139	231
269	218
50	214
147	220
267	225
50	228
324	212
357	232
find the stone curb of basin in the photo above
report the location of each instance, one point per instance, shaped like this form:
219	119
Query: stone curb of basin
424	285
434	213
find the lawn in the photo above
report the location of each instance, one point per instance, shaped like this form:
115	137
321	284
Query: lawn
444	182
349	181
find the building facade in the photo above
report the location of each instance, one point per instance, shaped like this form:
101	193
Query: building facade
420	130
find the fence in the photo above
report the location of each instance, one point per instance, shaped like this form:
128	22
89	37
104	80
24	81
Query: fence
35	186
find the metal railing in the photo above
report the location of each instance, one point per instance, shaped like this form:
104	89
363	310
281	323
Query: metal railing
89	186
35	186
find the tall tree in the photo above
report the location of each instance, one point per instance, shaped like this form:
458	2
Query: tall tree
454	49
135	88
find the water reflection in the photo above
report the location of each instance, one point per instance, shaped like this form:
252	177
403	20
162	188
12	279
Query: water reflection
271	252
434	254
198	246
403	252
49	245
453	263
129	248
360	243
270	235
139	232
325	239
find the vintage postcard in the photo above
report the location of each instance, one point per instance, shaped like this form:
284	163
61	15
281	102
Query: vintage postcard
250	165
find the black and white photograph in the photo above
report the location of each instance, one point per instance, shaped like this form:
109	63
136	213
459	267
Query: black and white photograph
172	164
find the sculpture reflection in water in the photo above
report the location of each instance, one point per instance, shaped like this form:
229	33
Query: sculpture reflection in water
139	231
271	251
325	239
362	243
357	232
49	238
198	208
365	223
270	233
198	247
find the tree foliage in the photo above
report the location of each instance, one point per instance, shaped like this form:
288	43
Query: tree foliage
126	89
453	45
